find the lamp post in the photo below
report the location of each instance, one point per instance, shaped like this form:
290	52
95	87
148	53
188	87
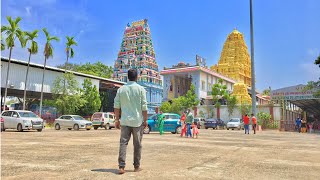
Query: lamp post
253	83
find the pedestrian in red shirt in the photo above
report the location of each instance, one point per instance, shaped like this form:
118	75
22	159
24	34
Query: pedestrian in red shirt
246	124
254	123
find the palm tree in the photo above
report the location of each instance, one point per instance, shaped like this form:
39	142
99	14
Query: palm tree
12	32
48	52
317	61
33	49
69	53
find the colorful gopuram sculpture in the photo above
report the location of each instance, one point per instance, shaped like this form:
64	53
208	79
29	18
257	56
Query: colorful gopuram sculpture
235	61
137	52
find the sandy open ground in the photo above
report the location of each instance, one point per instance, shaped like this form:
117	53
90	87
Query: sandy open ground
217	154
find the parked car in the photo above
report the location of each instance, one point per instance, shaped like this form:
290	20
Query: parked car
235	123
200	122
21	120
103	120
171	123
72	122
220	123
211	123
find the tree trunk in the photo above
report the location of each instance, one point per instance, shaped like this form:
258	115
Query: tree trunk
6	87
25	84
65	71
41	98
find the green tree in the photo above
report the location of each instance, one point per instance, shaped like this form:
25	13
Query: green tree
90	95
189	100
245	108
165	107
219	91
71	66
12	31
33	49
231	104
97	69
266	92
264	119
67	99
48	52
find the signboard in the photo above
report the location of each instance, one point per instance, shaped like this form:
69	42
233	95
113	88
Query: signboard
292	93
200	61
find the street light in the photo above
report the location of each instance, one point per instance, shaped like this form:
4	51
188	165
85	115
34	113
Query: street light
253	83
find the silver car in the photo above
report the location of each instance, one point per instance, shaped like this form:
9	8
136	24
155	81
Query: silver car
72	122
21	120
235	123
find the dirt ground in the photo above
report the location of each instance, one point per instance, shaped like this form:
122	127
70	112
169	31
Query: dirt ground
216	154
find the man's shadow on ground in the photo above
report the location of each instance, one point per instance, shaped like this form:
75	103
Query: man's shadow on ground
114	171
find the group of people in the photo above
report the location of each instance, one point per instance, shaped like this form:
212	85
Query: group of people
301	125
246	121
187	122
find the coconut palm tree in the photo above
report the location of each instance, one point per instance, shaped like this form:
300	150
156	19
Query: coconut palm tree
33	49
48	52
12	32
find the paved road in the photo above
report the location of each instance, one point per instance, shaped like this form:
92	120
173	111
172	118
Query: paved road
217	154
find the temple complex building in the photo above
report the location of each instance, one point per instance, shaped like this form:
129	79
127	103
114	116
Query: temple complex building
136	51
234	60
178	78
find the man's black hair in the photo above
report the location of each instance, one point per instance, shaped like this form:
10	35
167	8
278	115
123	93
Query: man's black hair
132	74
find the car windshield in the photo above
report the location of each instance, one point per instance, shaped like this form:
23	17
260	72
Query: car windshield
234	120
78	118
27	115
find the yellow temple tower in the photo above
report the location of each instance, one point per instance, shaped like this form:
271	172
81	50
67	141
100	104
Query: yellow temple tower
235	61
240	91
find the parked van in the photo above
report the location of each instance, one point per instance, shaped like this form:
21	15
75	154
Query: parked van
103	120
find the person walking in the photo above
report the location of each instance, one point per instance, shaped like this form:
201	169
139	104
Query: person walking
132	102
254	123
160	122
183	125
246	124
189	121
298	124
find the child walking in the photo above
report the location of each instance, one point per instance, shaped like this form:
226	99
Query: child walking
195	130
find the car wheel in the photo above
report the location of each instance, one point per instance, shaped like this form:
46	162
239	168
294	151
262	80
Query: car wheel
57	126
206	127
39	130
95	127
88	129
146	130
76	127
232	129
178	130
2	128
107	126
19	127
69	129
227	128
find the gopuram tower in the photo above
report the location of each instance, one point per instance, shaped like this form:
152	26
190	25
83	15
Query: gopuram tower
235	61
136	51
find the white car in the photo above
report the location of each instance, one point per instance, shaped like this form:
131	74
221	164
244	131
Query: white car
21	120
235	123
103	119
72	122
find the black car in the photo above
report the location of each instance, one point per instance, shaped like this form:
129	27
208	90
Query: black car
211	123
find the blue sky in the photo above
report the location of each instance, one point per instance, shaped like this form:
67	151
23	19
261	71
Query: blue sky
287	32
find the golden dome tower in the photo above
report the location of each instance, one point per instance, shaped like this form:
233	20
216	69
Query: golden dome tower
235	61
